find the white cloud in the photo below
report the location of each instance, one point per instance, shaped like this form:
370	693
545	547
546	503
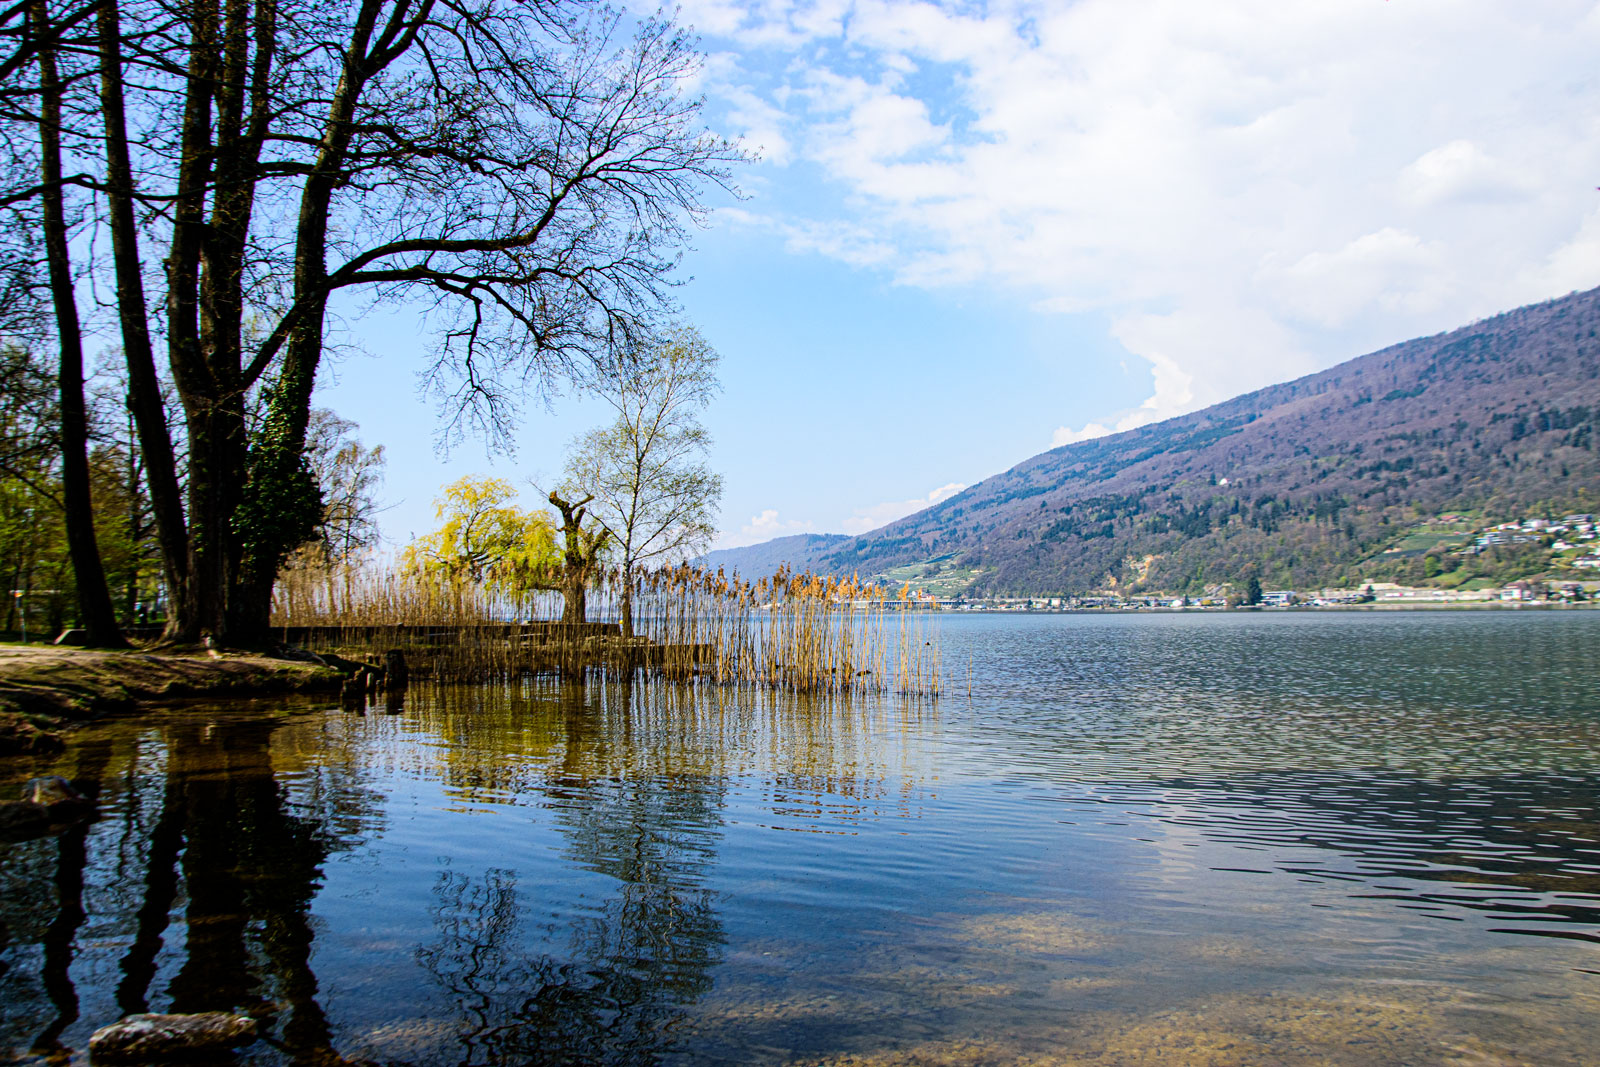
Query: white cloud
1387	271
1462	171
1569	267
760	125
845	241
878	515
1246	189
763	527
1066	435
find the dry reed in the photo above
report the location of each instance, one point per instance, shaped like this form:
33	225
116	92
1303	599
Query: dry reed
796	632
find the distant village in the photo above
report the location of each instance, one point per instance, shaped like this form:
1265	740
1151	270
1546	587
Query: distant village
1571	575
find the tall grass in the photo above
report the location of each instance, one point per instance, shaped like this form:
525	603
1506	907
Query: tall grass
801	633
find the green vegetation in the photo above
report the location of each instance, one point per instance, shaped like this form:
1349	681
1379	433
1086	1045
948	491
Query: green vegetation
941	576
485	537
40	583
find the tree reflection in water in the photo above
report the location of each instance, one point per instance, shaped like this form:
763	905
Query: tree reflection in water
632	965
224	853
588	936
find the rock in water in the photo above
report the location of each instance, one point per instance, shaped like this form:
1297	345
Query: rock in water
51	790
159	1038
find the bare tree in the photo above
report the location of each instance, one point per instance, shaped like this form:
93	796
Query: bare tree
96	613
646	473
522	170
347	474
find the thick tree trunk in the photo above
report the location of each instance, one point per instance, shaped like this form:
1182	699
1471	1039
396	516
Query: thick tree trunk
576	609
144	387
580	557
281	442
216	460
250	610
97	615
203	608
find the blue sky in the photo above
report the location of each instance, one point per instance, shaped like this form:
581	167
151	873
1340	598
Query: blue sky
979	230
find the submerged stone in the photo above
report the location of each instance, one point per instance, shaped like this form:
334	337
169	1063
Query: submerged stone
51	790
158	1038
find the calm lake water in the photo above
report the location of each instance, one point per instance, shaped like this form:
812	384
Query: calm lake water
1175	839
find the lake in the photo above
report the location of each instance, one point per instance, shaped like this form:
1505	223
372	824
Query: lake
1363	838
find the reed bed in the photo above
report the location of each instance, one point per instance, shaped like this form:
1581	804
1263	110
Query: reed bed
800	633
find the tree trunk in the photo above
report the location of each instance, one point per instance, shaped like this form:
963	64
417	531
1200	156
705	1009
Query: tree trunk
627	604
97	614
278	450
250	610
216	458
574	593
144	388
579	559
201	602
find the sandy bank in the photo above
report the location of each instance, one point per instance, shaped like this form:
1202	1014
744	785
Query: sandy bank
43	689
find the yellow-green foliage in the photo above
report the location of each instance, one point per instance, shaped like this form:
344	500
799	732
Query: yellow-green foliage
486	539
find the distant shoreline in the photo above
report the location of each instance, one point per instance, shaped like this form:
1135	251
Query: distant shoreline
1470	605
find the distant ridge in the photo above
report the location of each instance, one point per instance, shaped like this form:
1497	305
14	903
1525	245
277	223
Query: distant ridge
1299	484
762	560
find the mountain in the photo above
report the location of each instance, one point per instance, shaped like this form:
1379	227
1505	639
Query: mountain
768	556
1319	481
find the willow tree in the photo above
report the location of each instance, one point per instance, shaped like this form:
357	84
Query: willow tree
645	474
516	173
484	534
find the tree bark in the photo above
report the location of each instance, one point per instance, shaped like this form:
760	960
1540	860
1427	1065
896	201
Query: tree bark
213	415
289	400
144	387
97	615
580	558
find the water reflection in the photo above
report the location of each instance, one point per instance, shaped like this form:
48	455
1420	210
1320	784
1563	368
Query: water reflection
629	874
200	886
609	987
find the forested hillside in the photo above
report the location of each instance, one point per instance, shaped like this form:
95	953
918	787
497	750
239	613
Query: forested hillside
1300	484
768	556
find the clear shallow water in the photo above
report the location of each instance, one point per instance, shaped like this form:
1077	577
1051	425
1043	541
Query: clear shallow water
1167	839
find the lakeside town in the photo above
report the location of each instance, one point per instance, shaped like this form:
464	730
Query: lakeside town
1562	560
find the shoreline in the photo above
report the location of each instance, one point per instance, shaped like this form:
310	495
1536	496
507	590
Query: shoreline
45	690
1419	605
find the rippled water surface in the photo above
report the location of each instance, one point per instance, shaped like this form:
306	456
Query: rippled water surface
1176	839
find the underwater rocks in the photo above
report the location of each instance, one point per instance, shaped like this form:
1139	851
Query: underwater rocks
161	1038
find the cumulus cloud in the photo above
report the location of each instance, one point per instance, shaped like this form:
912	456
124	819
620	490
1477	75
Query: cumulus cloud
1462	171
878	515
1246	189
1066	435
764	527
